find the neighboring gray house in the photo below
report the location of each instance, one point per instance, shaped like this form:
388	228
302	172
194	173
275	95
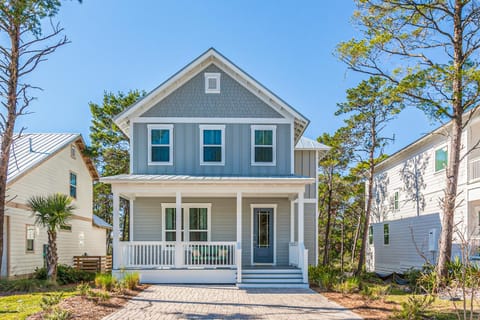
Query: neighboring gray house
214	144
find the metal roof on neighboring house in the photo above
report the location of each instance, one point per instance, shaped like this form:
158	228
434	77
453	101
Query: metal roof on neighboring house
309	144
31	149
99	222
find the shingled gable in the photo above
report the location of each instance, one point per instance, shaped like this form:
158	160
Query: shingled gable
212	59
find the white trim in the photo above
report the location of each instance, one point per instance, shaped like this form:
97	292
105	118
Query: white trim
273	128
216	77
168	127
204	127
186	221
131	147
254	206
210	120
292	149
307	200
435	149
292	221
130	230
317	212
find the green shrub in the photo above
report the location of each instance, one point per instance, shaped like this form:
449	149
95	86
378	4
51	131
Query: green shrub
415	307
50	300
83	289
325	277
348	285
58	314
131	280
24	285
105	281
99	295
66	274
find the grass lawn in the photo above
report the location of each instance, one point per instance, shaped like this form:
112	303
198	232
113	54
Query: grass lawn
20	306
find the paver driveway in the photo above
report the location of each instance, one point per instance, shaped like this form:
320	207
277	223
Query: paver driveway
229	302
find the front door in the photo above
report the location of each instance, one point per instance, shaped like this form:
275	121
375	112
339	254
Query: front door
263	235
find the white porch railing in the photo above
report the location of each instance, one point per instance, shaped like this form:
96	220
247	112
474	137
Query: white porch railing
157	254
293	254
474	169
147	254
209	254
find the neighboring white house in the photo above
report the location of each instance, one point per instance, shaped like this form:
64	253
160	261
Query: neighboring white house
43	164
214	144
407	207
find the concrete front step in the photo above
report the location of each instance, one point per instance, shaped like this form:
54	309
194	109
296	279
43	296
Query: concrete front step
270	271
272	278
272	275
273	285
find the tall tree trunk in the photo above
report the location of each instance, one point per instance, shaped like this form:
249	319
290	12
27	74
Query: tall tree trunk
7	136
326	251
126	221
355	237
52	258
445	250
342	243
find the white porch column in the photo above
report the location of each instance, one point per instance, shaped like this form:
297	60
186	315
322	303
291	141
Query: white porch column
116	231
239	237
178	230
130	227
292	221
301	209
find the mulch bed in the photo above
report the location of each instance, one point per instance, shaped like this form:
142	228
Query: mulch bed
92	309
369	310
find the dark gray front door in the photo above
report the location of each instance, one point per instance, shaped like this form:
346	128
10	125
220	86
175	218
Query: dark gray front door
263	235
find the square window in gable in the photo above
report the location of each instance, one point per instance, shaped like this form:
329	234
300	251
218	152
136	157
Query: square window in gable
212	82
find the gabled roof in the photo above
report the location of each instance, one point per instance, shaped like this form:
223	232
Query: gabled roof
99	222
31	149
212	56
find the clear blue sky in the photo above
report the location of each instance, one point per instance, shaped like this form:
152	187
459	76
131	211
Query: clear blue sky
118	45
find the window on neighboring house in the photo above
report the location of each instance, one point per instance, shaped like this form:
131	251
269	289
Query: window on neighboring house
73	185
263	145
160	140
66	227
198	224
441	159
370	235
396	201
212	82
73	151
386	234
30	245
212	145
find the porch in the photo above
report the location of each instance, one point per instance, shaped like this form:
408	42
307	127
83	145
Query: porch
224	230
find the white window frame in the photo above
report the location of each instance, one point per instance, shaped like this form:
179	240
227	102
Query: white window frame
384	234
435	158
273	128
396	202
70	185
168	127
186	219
208	76
202	145
27	226
73	151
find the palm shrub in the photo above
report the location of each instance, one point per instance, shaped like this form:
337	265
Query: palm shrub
51	212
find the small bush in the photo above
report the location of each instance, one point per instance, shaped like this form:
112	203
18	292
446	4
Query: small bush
131	280
66	275
58	314
325	277
349	285
415	307
50	300
99	295
105	281
24	285
83	289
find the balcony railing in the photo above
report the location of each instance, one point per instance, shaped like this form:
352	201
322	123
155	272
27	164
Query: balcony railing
162	254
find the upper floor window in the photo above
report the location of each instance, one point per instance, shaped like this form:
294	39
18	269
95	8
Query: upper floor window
370	235
73	185
263	145
396	197
212	145
160	144
441	159
386	234
212	82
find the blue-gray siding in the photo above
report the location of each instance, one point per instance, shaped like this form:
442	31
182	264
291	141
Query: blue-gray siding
147	224
186	152
190	100
305	166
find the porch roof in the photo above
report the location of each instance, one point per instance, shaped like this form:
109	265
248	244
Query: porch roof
227	180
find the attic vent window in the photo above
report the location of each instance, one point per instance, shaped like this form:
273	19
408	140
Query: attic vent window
212	82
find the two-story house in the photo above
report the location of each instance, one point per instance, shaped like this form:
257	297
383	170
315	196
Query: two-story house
407	211
216	146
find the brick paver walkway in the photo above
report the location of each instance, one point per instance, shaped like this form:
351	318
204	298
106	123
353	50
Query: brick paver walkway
229	302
